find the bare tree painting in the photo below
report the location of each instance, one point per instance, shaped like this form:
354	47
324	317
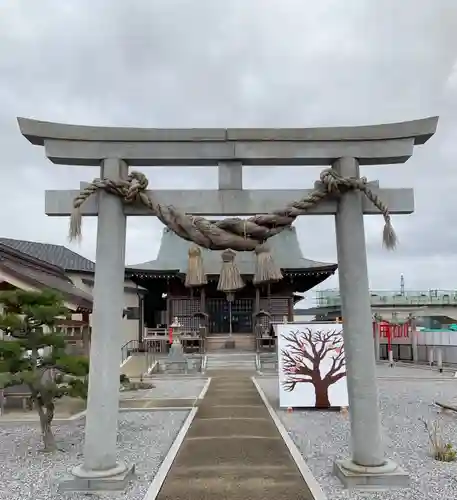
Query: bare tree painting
313	356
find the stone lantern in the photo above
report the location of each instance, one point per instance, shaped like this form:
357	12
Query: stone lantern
176	351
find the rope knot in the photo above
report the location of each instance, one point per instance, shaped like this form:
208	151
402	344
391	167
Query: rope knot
263	248
228	255
136	183
336	184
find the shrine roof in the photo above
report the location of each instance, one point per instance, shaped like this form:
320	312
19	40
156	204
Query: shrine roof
285	248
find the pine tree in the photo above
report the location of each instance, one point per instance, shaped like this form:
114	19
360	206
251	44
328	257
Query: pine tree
32	353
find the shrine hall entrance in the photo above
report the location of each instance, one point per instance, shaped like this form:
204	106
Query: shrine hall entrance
219	316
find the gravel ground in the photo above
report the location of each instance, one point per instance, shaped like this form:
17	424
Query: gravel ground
25	473
170	388
322	437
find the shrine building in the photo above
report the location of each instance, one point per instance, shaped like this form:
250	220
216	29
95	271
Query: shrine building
168	298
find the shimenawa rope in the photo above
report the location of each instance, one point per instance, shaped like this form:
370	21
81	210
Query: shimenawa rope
232	233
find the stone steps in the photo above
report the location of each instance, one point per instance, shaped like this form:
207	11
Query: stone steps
223	412
243	483
244	427
217	343
136	366
231	361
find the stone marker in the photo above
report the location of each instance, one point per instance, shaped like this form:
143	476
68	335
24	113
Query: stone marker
176	360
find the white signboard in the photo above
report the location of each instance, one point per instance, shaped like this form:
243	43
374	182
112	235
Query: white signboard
311	366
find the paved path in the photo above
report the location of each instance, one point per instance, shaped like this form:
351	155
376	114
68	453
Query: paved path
233	449
135	366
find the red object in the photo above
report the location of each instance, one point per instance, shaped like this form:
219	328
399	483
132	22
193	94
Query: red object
170	335
388	330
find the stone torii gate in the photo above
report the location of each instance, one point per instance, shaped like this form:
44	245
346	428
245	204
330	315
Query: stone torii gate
115	149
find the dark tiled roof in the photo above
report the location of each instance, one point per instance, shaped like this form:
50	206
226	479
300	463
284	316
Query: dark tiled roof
132	289
57	255
42	275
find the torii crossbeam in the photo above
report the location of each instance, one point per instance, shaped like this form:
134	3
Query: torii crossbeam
345	148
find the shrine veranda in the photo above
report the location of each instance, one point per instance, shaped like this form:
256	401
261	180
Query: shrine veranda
345	149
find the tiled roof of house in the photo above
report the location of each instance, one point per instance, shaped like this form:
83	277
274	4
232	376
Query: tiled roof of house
58	255
42	275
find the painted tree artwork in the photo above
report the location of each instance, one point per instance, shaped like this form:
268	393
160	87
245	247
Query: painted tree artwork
312	366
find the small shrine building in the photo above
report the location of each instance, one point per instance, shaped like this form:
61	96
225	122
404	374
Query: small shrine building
167	296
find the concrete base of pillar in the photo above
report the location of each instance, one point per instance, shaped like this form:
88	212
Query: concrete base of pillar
387	476
84	481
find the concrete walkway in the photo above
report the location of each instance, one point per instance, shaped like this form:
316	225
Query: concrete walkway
135	366
233	449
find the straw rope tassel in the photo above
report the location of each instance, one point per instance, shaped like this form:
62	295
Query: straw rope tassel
266	270
230	278
195	275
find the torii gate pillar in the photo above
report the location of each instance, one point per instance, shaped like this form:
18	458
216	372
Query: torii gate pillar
344	147
368	465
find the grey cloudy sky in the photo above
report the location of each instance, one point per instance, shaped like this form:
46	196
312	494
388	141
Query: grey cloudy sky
264	63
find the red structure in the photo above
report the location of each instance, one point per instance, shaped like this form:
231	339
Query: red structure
170	335
391	330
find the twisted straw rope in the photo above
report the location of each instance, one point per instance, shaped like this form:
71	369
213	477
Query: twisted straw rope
235	233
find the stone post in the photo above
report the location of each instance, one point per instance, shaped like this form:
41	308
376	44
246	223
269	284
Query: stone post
439	359
100	469
414	346
368	465
377	339
390	356
431	355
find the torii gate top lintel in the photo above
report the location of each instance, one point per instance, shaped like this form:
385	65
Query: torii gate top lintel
87	145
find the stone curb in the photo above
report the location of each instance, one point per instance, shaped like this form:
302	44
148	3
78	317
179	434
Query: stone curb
156	484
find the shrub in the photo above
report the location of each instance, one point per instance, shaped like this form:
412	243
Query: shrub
442	451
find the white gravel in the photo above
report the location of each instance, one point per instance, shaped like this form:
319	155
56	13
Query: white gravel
324	436
170	388
25	473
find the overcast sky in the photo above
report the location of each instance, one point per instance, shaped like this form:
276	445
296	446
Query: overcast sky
237	63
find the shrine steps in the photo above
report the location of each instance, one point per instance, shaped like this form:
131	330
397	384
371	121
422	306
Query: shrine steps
229	454
243	342
135	365
234	360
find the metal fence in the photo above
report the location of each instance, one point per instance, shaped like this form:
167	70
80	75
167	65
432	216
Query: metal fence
332	298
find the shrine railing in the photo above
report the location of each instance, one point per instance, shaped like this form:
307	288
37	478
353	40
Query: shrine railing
128	349
265	343
158	340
